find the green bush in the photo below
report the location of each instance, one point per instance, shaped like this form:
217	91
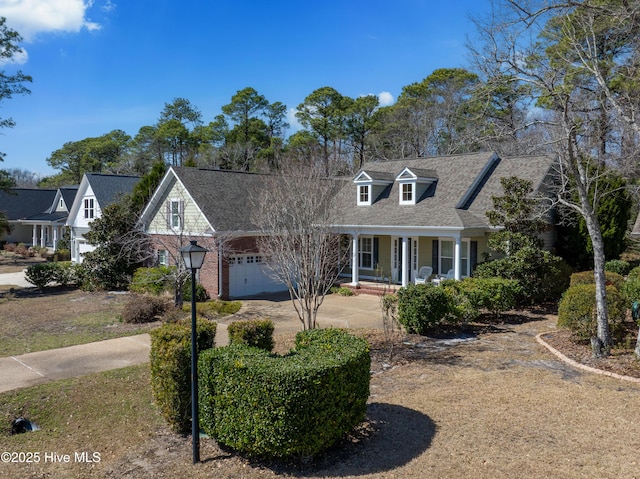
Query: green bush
495	295
423	307
543	276
62	255
170	361
253	332
143	309
634	274
65	273
577	311
41	274
586	277
285	406
631	290
151	280
201	292
619	266
342	291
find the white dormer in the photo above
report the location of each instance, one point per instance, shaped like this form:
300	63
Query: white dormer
412	183
369	185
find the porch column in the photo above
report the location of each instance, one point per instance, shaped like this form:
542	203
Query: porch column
55	236
403	261
354	260
34	235
457	248
42	238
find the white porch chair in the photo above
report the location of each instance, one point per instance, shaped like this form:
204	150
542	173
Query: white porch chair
423	275
451	274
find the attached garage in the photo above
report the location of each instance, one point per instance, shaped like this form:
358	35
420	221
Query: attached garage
248	276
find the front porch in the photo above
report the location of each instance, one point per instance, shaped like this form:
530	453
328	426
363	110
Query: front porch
379	261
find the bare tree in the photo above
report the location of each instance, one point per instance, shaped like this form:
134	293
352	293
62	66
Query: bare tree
293	214
572	55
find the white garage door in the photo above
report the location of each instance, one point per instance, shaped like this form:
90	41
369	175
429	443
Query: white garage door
248	276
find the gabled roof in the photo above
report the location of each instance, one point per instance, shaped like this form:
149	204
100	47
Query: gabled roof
459	199
108	188
375	176
417	174
19	203
223	197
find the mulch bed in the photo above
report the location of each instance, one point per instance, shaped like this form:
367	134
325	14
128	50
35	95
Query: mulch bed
621	361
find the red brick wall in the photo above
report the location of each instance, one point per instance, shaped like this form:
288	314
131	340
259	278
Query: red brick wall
208	275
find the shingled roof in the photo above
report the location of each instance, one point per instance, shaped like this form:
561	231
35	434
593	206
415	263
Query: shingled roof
459	198
20	203
108	188
224	197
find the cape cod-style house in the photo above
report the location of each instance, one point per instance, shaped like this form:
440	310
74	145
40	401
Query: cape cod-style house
399	216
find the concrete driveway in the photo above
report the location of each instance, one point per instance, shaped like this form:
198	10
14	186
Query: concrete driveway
15	279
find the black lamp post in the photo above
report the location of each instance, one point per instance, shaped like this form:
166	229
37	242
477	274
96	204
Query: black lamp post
193	257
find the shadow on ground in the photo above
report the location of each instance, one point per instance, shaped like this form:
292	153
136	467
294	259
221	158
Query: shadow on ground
375	447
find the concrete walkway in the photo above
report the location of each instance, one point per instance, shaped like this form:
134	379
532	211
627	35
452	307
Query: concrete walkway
29	369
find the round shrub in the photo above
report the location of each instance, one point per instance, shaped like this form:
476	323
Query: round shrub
285	406
201	292
151	280
543	276
494	295
41	274
586	277
634	274
619	266
170	361
577	311
253	332
631	290
422	307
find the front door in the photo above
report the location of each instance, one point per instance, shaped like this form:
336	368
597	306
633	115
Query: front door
410	262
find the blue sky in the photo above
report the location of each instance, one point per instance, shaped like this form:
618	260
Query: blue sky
112	64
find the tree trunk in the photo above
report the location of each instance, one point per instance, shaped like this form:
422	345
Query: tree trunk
637	350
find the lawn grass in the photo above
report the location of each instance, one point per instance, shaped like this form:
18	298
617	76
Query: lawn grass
36	321
106	413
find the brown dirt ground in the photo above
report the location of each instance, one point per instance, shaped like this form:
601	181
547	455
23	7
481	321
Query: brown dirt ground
489	404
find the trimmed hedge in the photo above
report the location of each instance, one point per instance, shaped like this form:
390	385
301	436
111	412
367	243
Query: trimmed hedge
42	275
586	277
252	332
422	307
285	406
170	360
577	311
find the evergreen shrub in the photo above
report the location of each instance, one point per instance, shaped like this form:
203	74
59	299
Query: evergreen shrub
285	406
253	332
151	280
170	361
577	311
41	274
586	277
619	266
423	307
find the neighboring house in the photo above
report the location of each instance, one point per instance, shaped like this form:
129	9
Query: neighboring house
213	207
37	216
398	215
96	192
635	232
404	214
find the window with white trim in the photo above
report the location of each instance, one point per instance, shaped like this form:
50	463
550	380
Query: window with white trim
163	257
407	193
446	256
89	209
176	214
364	194
365	252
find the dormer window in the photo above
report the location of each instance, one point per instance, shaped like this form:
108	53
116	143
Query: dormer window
364	195
413	183
407	193
370	184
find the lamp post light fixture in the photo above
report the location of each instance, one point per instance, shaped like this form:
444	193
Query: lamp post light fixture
193	257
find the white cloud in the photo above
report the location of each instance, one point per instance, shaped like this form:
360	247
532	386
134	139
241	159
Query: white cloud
385	98
294	124
32	17
19	58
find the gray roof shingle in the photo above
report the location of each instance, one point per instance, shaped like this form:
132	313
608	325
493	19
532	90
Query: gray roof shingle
460	177
109	188
19	203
